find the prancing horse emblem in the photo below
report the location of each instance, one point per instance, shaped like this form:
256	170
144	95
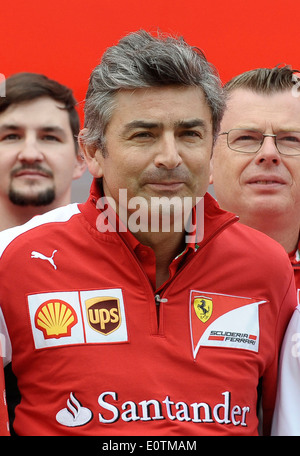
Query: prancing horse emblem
203	308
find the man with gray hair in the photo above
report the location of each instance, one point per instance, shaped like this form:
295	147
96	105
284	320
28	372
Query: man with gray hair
132	315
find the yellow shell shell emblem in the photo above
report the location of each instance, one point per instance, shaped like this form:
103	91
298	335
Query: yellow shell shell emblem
55	318
203	307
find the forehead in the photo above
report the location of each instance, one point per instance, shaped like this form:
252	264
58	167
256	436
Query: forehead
258	110
37	113
164	104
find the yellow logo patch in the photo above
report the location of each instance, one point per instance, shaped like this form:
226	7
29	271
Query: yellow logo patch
55	318
203	307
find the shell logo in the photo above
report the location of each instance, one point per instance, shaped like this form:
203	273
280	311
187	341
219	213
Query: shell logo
55	318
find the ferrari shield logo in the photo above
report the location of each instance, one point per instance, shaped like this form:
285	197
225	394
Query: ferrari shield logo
203	307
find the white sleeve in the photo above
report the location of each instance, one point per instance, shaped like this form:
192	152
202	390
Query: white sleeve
286	418
5	343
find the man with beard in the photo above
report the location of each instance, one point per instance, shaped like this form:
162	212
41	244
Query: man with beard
38	147
39	158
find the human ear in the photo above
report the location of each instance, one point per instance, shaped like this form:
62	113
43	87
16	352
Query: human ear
93	155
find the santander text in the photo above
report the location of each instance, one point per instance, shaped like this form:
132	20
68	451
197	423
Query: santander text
149	410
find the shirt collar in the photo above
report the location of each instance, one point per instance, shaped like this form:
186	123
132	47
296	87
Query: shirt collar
195	224
191	238
216	219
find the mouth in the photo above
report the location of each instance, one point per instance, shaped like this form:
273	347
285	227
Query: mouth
266	181
31	174
261	182
266	184
165	186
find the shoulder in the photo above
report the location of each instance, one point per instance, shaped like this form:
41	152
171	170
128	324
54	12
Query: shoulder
255	241
33	226
257	257
237	237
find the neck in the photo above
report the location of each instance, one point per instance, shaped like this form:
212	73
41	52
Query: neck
13	215
166	247
9	219
287	234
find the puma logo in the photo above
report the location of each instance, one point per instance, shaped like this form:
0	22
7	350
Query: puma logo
41	256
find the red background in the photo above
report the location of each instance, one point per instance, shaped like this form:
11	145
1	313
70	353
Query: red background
65	39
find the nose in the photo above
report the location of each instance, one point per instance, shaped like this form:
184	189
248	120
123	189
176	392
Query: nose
30	150
268	153
168	155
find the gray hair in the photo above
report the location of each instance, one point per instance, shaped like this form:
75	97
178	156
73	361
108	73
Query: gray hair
140	60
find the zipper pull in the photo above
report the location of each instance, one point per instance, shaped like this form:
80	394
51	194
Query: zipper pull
158	299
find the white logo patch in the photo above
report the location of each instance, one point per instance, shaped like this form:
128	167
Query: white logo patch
77	317
238	328
219	320
74	414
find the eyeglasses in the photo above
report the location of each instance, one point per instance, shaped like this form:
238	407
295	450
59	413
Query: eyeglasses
250	141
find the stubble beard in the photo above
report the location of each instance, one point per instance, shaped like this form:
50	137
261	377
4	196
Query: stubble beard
39	198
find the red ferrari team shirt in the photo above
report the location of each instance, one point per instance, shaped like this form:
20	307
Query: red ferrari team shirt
97	350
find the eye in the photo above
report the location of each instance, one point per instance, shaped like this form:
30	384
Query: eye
290	137
10	137
248	137
50	138
191	135
243	137
141	136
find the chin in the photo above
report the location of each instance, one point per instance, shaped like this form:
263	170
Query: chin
41	198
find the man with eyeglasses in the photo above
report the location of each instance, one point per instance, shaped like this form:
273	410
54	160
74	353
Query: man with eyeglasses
256	174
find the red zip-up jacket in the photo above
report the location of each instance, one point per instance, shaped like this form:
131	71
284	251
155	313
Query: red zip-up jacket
94	354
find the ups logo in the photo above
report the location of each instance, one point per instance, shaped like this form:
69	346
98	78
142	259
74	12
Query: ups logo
103	314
